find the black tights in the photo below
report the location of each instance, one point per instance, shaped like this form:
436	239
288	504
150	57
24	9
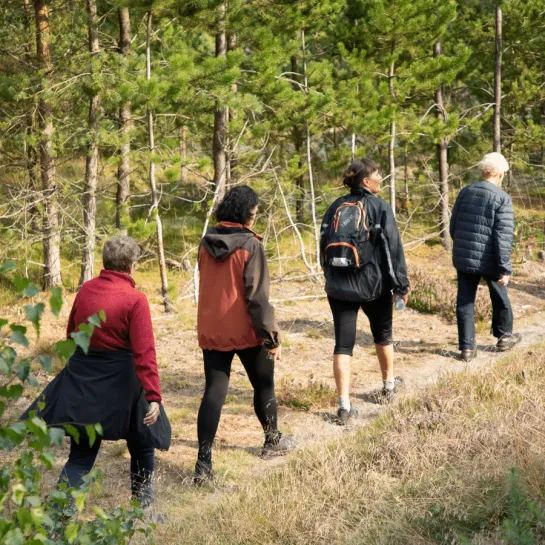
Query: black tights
217	369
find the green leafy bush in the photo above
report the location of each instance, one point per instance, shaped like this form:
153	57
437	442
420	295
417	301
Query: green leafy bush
27	516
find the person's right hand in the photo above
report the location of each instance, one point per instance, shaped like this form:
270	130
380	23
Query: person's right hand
153	413
275	353
404	297
504	280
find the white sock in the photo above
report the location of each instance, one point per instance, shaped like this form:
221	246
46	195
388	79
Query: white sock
344	403
389	385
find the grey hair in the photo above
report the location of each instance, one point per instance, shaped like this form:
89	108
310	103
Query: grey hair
493	164
120	253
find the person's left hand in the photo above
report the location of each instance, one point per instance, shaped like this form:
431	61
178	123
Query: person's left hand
404	297
153	413
504	280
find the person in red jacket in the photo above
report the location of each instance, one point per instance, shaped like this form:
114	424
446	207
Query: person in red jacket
235	317
120	369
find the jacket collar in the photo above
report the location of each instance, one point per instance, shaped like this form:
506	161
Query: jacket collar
232	225
361	191
116	277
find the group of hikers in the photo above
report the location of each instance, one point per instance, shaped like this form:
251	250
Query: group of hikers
117	382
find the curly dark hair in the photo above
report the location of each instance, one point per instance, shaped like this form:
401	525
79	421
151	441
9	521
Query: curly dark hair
357	171
237	205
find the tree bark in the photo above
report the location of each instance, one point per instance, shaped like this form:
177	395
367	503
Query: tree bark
309	162
154	197
51	233
91	162
442	159
497	78
220	116
391	144
125	125
183	153
231	115
31	155
298	144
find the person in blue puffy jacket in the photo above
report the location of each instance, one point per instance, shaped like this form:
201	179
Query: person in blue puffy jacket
482	228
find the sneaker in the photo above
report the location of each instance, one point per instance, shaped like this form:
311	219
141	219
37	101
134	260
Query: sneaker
203	473
508	341
279	446
468	354
384	396
343	416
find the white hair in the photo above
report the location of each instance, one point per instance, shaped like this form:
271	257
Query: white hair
494	164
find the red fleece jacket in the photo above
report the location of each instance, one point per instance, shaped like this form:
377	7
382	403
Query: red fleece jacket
128	323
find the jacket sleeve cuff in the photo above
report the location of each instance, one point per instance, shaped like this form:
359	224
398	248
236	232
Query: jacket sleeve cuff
401	291
152	396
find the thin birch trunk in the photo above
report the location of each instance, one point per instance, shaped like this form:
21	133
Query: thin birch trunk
91	161
154	195
51	232
497	78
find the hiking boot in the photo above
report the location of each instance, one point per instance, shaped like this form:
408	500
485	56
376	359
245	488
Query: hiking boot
343	416
203	473
468	354
278	446
508	341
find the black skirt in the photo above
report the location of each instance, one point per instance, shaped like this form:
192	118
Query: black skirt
102	387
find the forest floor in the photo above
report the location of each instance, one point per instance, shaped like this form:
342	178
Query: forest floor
425	346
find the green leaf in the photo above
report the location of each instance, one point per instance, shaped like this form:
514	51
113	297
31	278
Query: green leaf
34	314
65	349
73	432
102	315
82	339
46	362
80	496
2	408
56	435
3	322
22	369
98	428
55	301
31	291
91	433
11	392
94	320
20	338
48	459
7	266
71	532
4	367
20	283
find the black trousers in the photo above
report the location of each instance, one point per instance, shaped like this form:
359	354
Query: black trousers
82	459
345	316
502	315
217	370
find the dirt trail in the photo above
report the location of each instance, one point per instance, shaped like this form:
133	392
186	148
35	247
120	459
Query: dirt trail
426	348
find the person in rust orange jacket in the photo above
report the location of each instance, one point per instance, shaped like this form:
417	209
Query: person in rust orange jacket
235	317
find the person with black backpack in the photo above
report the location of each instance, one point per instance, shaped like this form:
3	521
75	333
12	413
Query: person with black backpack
364	266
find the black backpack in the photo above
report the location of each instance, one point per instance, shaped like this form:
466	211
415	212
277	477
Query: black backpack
349	241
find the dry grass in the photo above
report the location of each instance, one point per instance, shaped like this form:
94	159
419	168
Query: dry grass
305	396
430	470
436	294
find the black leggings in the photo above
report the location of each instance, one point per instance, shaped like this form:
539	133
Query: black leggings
345	316
82	459
217	369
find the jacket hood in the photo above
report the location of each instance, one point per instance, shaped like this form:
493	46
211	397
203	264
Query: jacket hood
226	238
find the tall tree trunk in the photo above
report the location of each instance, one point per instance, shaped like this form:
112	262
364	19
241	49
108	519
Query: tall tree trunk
31	156
220	116
497	78
154	196
183	153
231	115
298	144
51	233
125	125
91	162
442	159
309	161
391	144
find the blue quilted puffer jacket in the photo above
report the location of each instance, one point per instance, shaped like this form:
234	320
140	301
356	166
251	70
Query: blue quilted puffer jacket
481	227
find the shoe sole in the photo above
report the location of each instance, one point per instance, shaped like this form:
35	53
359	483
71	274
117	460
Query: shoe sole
508	346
